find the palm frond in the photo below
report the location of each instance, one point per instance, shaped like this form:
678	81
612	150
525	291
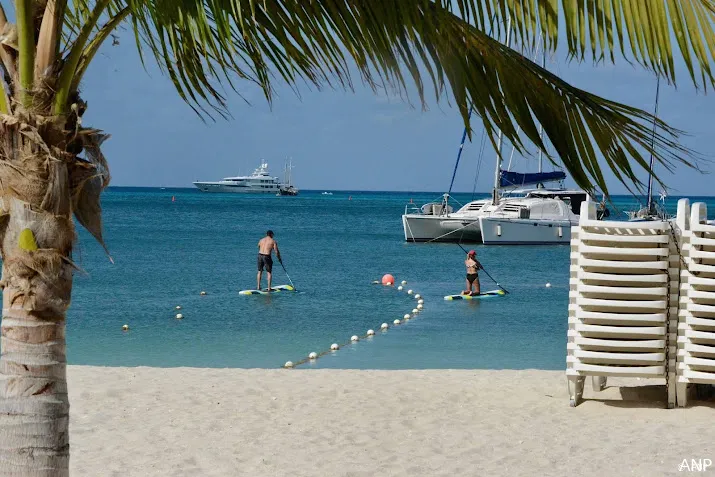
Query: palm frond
69	69
397	42
26	46
649	32
48	38
95	43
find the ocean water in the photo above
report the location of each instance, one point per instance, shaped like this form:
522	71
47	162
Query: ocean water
166	252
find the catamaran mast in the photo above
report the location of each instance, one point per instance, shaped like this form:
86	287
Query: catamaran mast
652	145
541	127
500	141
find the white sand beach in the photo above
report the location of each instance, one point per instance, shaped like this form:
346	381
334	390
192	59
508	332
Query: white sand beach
238	422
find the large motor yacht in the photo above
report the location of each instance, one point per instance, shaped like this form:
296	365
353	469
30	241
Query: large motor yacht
259	182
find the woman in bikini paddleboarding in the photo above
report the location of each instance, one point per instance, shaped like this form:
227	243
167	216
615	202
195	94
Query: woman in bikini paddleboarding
473	267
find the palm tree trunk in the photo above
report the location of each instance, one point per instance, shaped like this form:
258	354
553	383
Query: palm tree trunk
36	233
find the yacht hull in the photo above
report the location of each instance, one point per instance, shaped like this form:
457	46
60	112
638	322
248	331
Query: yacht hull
234	189
435	228
513	231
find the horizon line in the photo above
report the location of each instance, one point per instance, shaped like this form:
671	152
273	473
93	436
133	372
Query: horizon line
183	188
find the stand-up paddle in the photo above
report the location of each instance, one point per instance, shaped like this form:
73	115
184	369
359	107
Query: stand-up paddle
497	283
286	272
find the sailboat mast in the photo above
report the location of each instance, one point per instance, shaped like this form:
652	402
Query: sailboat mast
500	140
541	127
652	145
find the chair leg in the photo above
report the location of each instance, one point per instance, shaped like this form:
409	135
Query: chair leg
576	390
672	391
598	383
682	394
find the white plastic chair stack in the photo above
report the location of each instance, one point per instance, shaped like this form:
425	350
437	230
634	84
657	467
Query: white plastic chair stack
696	328
618	301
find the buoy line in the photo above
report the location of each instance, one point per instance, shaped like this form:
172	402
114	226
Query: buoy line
387	280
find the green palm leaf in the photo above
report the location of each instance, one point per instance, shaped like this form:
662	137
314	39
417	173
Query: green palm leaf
641	30
396	42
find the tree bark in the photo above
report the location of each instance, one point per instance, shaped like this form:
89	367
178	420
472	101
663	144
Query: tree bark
37	234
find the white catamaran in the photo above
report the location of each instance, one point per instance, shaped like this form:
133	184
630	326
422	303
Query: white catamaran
513	215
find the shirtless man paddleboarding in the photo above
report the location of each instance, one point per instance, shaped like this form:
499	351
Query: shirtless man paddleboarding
266	246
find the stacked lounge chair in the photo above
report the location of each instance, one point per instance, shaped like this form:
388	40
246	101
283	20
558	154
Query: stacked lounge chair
622	302
696	327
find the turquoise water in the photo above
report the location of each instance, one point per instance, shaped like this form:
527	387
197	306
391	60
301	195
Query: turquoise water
167	252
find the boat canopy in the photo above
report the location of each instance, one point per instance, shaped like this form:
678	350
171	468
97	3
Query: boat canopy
511	179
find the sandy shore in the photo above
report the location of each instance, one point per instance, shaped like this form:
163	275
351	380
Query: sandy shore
233	422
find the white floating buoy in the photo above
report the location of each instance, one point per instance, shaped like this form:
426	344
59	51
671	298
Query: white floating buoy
179	316
415	311
548	285
370	332
313	355
420	306
409	292
399	288
354	338
420	301
203	293
384	326
404	282
396	322
375	282
125	328
178	307
407	317
334	347
289	364
418	296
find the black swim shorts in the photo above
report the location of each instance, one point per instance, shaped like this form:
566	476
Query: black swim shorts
265	261
471	277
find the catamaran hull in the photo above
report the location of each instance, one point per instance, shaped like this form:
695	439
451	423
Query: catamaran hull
431	228
513	231
487	230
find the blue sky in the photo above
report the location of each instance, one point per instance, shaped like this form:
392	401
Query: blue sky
337	139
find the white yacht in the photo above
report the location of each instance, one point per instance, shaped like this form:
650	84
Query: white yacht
259	182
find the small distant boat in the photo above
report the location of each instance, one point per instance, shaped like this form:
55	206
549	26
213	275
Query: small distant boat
327	193
290	190
287	187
